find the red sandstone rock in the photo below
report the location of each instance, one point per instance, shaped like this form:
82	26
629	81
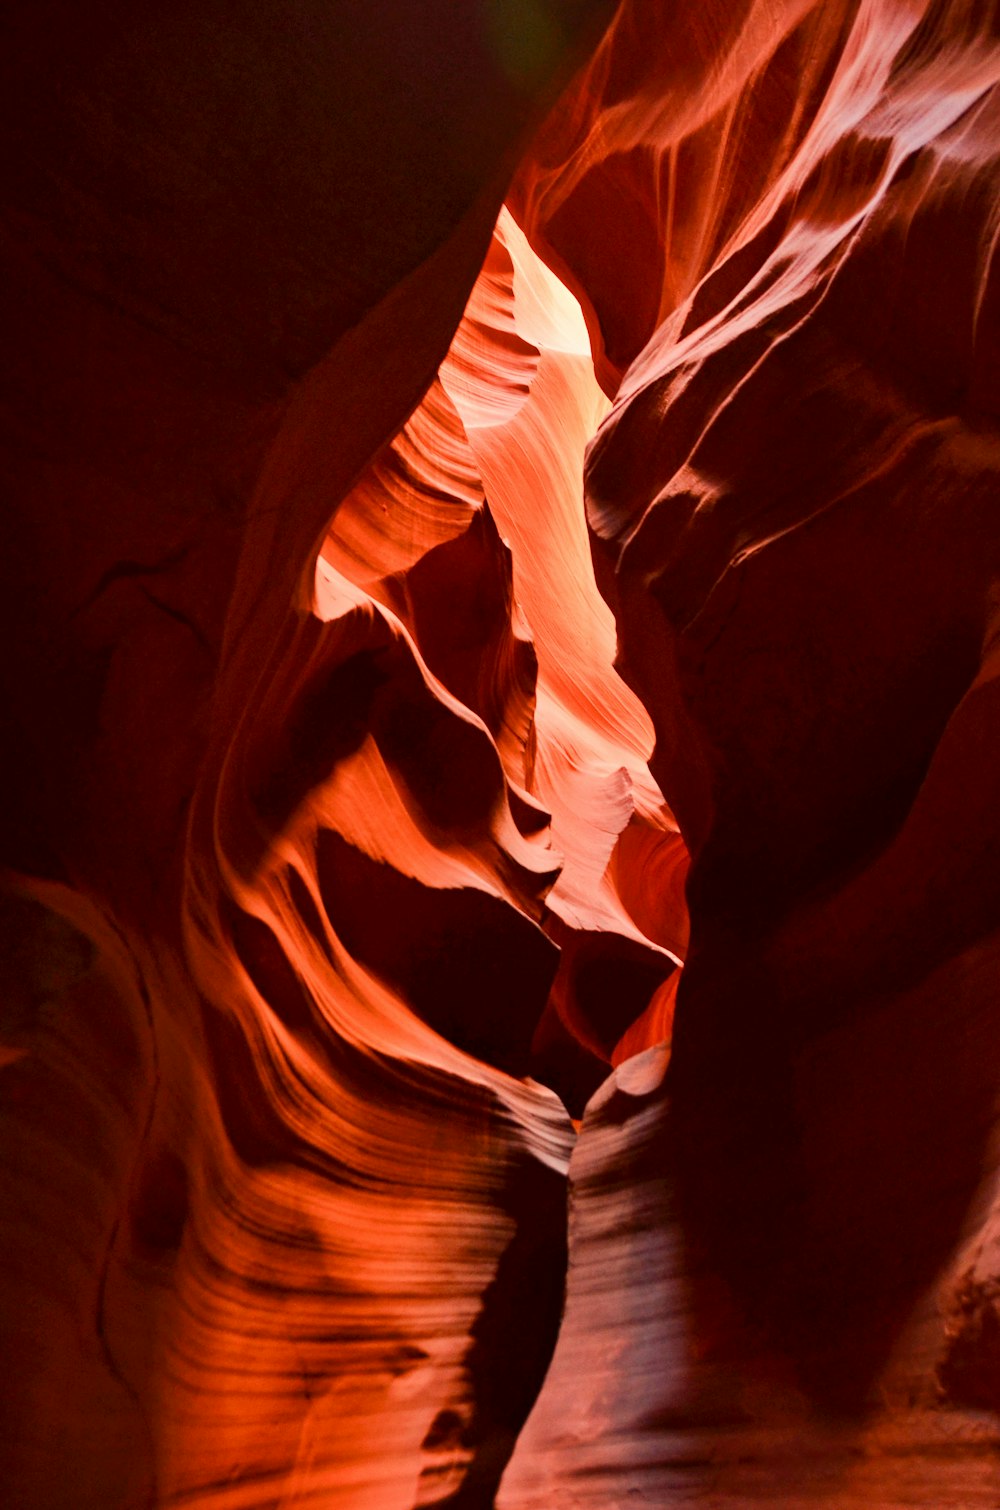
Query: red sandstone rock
269	1240
789	508
331	831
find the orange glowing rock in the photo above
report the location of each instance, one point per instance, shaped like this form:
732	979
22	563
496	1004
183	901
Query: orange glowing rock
788	506
500	927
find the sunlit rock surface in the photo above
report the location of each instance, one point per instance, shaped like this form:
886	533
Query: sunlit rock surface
361	652
792	506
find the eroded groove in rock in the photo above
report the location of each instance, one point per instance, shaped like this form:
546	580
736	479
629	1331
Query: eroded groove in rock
383	570
279	1266
789	506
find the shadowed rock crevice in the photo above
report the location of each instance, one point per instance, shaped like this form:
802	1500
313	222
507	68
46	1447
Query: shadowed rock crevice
513	1340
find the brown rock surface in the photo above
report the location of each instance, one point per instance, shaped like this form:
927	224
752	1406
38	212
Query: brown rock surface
350	675
266	1234
791	505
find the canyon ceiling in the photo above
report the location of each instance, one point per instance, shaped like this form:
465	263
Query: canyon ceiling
500	910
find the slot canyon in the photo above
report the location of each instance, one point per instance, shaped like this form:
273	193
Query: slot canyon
500	833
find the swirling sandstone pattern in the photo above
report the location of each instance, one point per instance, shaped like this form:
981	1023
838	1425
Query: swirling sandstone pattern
350	1156
792	506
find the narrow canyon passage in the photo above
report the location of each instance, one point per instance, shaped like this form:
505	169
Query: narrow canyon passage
500	913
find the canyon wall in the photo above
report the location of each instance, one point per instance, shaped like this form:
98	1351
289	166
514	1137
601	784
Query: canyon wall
500	931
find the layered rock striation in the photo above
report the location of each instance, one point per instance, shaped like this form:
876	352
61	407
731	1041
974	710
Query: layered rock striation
500	936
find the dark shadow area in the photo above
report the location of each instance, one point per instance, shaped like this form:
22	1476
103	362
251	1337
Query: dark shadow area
468	963
604	982
329	722
825	1168
513	1338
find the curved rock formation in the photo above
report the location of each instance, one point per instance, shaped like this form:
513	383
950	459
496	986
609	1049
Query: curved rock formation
401	1106
791	513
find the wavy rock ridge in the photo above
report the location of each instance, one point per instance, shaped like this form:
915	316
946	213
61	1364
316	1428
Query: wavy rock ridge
351	1156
